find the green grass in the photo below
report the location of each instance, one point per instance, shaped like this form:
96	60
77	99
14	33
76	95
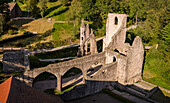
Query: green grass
65	90
156	69
63	31
156	79
56	10
68	52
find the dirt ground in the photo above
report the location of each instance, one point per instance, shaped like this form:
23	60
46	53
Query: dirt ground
97	98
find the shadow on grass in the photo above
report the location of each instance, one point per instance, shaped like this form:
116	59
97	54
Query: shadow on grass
59	12
52	9
23	40
19	23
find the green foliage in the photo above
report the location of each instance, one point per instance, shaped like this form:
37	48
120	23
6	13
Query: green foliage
10	32
2	22
87	9
75	11
35	63
64	1
43	6
156	63
32	7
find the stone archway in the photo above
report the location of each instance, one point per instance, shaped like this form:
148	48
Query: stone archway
44	81
72	77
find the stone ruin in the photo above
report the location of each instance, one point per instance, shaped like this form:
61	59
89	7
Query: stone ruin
85	38
13	61
129	57
119	62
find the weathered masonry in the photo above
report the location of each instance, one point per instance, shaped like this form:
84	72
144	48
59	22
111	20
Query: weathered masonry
119	61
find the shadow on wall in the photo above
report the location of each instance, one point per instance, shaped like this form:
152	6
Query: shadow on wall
130	37
92	87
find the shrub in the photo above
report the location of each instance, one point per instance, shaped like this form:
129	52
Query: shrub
10	32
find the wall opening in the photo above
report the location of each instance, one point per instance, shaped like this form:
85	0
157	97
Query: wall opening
93	69
72	77
45	81
116	21
114	59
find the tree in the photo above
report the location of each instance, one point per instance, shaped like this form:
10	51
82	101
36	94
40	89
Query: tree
87	9
3	6
64	1
32	7
2	22
75	11
3	14
43	6
136	9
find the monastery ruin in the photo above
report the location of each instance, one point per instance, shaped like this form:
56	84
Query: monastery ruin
119	61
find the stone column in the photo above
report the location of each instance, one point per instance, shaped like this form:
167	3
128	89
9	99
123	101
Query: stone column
87	35
82	37
59	84
93	46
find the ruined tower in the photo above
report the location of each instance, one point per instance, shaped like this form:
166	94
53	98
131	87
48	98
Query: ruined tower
115	29
85	38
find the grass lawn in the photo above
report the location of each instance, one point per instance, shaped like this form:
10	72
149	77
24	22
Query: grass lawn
40	25
62	31
66	89
156	79
56	10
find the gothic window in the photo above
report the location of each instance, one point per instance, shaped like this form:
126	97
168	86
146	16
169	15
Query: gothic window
116	21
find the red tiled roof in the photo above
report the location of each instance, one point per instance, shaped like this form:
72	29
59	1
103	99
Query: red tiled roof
14	91
11	5
4	90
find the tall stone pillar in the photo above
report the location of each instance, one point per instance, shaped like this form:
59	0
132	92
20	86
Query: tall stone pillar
93	46
82	37
87	35
59	84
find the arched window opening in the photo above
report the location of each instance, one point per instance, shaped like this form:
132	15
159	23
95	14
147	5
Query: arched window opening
116	21
93	69
114	59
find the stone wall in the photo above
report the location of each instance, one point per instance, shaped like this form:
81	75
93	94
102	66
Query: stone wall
135	61
91	87
13	61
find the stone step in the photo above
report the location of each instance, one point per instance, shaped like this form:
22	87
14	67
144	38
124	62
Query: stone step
138	89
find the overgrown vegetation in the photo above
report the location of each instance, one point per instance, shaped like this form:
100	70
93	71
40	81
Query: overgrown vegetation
63	31
155	29
35	63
